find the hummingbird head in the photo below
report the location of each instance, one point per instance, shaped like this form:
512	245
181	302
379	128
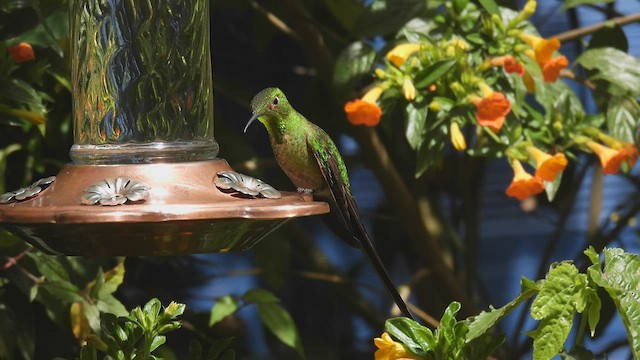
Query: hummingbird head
269	104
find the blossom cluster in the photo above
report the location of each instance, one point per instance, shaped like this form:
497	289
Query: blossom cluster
482	80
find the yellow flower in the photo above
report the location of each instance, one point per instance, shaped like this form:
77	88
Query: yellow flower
365	111
390	350
457	139
547	166
523	184
529	8
399	54
408	89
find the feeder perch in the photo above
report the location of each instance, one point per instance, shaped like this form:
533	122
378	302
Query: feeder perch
145	173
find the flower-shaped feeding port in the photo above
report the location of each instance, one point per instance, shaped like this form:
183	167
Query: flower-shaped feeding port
245	184
116	191
28	192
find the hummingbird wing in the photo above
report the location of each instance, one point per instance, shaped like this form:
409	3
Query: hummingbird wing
346	210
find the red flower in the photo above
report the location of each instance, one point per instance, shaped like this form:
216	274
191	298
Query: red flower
22	52
510	64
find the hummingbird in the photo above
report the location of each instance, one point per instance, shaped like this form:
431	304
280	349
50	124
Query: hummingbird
311	160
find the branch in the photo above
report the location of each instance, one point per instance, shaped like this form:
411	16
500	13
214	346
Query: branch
583	31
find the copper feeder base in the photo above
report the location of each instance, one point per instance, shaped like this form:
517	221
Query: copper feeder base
184	214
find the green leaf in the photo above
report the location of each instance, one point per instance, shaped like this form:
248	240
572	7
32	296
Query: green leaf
623	114
620	279
280	323
484	321
562	294
112	280
611	35
157	341
259	296
345	11
417	338
223	307
353	63
386	16
490	5
415	119
613	66
433	72
568	4
218	347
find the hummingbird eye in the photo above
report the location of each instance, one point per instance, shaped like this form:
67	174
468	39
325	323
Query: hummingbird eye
275	101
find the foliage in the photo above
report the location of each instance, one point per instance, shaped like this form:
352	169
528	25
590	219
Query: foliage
564	293
273	315
427	151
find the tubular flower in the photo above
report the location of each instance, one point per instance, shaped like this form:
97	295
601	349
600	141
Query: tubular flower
365	111
22	52
510	64
523	184
457	139
612	159
399	54
408	89
390	350
547	166
492	108
543	54
551	69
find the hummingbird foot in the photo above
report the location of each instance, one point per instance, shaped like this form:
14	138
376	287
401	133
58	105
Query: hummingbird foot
305	191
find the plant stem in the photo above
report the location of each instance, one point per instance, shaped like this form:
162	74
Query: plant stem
587	30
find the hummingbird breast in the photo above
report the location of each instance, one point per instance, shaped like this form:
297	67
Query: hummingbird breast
295	159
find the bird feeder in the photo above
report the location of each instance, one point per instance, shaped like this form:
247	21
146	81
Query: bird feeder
145	178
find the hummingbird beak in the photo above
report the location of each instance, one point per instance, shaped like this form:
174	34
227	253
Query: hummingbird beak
255	116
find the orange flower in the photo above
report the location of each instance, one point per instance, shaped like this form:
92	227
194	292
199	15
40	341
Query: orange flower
523	184
543	54
510	64
612	159
551	69
492	108
365	111
399	54
547	166
22	52
390	350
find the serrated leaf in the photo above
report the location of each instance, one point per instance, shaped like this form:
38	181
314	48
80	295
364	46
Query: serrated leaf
620	277
433	72
415	119
280	323
223	307
555	292
613	66
481	323
259	296
417	338
623	114
549	337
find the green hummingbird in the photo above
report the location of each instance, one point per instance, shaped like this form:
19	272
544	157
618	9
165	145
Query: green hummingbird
312	161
